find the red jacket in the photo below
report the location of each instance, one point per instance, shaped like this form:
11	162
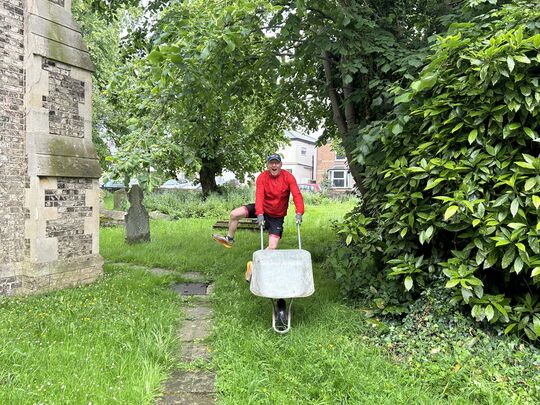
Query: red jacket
272	194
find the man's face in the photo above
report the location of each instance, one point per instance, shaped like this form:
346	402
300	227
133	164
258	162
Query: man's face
274	167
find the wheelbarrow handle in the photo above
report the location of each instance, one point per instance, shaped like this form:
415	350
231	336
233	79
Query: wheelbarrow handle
297	228
299	239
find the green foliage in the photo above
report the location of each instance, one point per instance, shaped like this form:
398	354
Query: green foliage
454	194
445	346
345	55
190	204
204	96
206	86
326	197
213	86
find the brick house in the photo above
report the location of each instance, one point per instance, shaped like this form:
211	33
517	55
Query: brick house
309	163
332	169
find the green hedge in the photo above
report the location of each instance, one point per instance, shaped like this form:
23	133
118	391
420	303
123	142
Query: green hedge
454	196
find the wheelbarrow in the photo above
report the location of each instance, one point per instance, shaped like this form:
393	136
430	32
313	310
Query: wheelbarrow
281	275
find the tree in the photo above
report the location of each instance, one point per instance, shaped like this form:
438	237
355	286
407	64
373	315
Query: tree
209	89
283	62
359	48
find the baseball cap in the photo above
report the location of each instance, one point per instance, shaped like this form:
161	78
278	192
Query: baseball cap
274	156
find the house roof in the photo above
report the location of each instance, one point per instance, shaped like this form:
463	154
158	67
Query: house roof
299	136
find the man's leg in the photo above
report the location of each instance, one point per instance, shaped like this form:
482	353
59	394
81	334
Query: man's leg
236	215
273	241
275	230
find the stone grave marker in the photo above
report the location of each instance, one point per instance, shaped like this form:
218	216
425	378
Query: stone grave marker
137	220
119	196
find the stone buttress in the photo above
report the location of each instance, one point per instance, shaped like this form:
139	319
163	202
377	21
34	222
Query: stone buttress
49	167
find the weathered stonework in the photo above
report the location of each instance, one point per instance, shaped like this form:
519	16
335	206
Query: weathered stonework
70	201
65	94
12	139
49	194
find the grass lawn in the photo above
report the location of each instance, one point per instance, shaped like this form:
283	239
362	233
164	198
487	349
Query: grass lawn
109	342
326	357
112	342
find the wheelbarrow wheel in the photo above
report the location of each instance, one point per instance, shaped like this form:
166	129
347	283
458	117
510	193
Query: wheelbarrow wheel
281	315
282	319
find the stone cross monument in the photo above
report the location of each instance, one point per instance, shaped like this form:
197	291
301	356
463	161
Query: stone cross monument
49	193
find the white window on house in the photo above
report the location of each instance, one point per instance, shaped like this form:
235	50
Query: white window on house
303	151
341	157
339	178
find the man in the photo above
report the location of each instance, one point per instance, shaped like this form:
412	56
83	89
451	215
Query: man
273	188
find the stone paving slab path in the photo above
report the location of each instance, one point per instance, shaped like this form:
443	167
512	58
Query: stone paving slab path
199	312
201	382
193	387
197	329
192	352
189	399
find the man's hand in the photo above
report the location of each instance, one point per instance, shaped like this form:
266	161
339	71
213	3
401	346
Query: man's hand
298	219
260	219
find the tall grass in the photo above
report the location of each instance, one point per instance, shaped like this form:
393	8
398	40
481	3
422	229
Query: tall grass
189	204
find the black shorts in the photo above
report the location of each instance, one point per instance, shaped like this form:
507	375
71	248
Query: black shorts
273	224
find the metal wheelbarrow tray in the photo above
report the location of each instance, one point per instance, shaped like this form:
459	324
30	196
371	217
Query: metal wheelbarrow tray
282	274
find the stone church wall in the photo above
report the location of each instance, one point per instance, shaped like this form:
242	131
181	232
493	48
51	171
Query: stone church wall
49	193
12	144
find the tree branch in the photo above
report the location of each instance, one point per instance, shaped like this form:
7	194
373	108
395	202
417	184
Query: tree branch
350	112
322	13
332	94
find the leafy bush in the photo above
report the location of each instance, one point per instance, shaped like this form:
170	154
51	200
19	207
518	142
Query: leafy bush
445	347
453	193
326	197
189	204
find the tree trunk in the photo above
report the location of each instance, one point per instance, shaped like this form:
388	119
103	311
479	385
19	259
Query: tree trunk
345	119
207	176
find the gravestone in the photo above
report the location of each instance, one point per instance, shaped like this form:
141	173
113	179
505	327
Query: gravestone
119	196
137	221
49	193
